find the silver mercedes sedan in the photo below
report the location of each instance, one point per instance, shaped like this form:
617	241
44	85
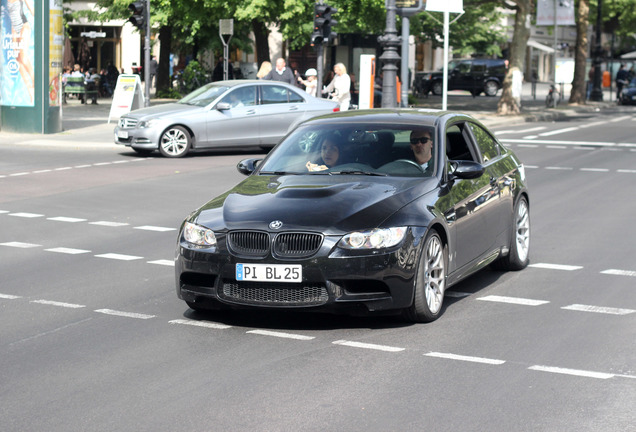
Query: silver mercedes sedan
222	114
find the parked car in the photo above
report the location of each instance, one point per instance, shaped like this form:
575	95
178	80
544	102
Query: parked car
221	114
368	230
474	75
628	94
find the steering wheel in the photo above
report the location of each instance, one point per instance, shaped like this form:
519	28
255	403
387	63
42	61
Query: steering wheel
410	162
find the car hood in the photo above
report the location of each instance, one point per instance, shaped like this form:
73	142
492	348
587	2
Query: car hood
161	110
330	204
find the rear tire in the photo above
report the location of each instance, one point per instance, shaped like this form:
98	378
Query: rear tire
430	281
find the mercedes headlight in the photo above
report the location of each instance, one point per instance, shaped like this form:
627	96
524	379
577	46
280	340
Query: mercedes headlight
374	239
148	123
199	235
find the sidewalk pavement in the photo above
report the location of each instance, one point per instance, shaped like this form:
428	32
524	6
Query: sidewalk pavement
88	126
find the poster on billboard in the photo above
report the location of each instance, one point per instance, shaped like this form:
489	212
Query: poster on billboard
56	45
18	53
564	12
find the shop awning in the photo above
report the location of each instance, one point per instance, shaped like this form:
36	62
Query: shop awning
537	45
630	55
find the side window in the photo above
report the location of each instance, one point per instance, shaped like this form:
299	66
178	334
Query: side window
486	143
457	147
274	95
295	97
244	96
464	67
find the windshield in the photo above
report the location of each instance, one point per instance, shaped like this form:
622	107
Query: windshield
205	95
360	149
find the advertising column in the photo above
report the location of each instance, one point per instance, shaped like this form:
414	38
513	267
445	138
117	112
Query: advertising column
24	65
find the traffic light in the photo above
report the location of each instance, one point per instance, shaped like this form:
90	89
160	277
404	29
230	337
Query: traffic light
138	11
322	24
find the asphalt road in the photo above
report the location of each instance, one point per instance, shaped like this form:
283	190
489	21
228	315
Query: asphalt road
92	336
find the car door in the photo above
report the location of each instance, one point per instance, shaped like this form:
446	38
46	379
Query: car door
236	126
475	231
280	108
459	78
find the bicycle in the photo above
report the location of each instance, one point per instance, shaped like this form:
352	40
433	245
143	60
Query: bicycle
550	98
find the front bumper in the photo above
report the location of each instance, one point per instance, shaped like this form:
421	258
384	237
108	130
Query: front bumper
141	138
333	279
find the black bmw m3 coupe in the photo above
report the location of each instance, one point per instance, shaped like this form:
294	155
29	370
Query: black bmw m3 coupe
360	211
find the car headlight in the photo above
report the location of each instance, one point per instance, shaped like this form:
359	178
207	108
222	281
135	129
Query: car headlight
148	123
375	239
199	235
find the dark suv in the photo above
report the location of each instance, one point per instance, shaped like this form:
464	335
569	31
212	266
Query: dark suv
474	75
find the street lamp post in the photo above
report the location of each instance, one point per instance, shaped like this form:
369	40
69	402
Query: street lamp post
597	93
390	41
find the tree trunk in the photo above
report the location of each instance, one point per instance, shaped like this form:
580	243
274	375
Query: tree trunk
261	35
163	69
508	105
579	85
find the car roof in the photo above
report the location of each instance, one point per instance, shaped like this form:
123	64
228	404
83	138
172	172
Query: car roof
388	116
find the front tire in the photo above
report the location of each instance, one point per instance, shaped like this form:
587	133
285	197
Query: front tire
519	255
430	281
175	142
437	88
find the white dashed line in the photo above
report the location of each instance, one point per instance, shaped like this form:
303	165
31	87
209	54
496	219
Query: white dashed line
556	266
281	335
119	257
124	314
42	171
9	297
598	309
595	169
154	228
68	251
59	304
4	211
619	272
63	169
204	324
26	215
66	219
109	224
559	131
169	263
82	166
576	372
18	174
513	300
629	171
559	168
368	346
20	245
450	356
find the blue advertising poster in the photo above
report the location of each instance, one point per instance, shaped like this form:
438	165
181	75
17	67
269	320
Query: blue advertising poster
17	84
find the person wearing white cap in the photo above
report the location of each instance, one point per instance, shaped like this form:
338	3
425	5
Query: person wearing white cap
311	83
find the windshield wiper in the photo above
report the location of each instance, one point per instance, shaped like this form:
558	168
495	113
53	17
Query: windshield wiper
277	173
358	172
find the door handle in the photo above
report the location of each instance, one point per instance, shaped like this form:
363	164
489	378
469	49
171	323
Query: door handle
250	112
294	108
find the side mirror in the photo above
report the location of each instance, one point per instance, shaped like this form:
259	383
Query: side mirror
466	169
223	106
247	166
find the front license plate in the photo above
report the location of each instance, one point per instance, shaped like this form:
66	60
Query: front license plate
122	134
269	272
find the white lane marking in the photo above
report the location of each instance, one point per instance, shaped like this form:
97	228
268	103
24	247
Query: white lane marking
456	294
528	145
368	346
69	251
163	262
82	166
568	143
59	304
559	168
629	171
618	119
108	223
62	169
557	147
531	166
20	245
532	129
4	211
593	124
598	309
26	215
66	219
619	272
576	372
124	314
9	296
204	324
595	169
556	266
102	163
513	300
18	174
280	334
559	131
625	376
154	228
42	171
466	358
529	137
120	161
119	257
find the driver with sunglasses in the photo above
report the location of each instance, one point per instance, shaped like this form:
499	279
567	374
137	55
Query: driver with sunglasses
422	146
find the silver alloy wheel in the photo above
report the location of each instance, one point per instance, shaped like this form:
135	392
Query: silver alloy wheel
174	142
522	236
434	274
491	88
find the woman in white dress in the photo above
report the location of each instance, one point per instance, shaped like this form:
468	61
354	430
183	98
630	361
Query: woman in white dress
339	87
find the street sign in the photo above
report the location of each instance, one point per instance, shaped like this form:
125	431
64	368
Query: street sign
409	7
93	34
453	6
226	27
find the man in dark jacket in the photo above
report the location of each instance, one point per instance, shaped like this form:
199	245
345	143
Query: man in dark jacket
281	73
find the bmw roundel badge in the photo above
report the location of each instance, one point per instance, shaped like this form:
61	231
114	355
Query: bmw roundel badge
275	224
